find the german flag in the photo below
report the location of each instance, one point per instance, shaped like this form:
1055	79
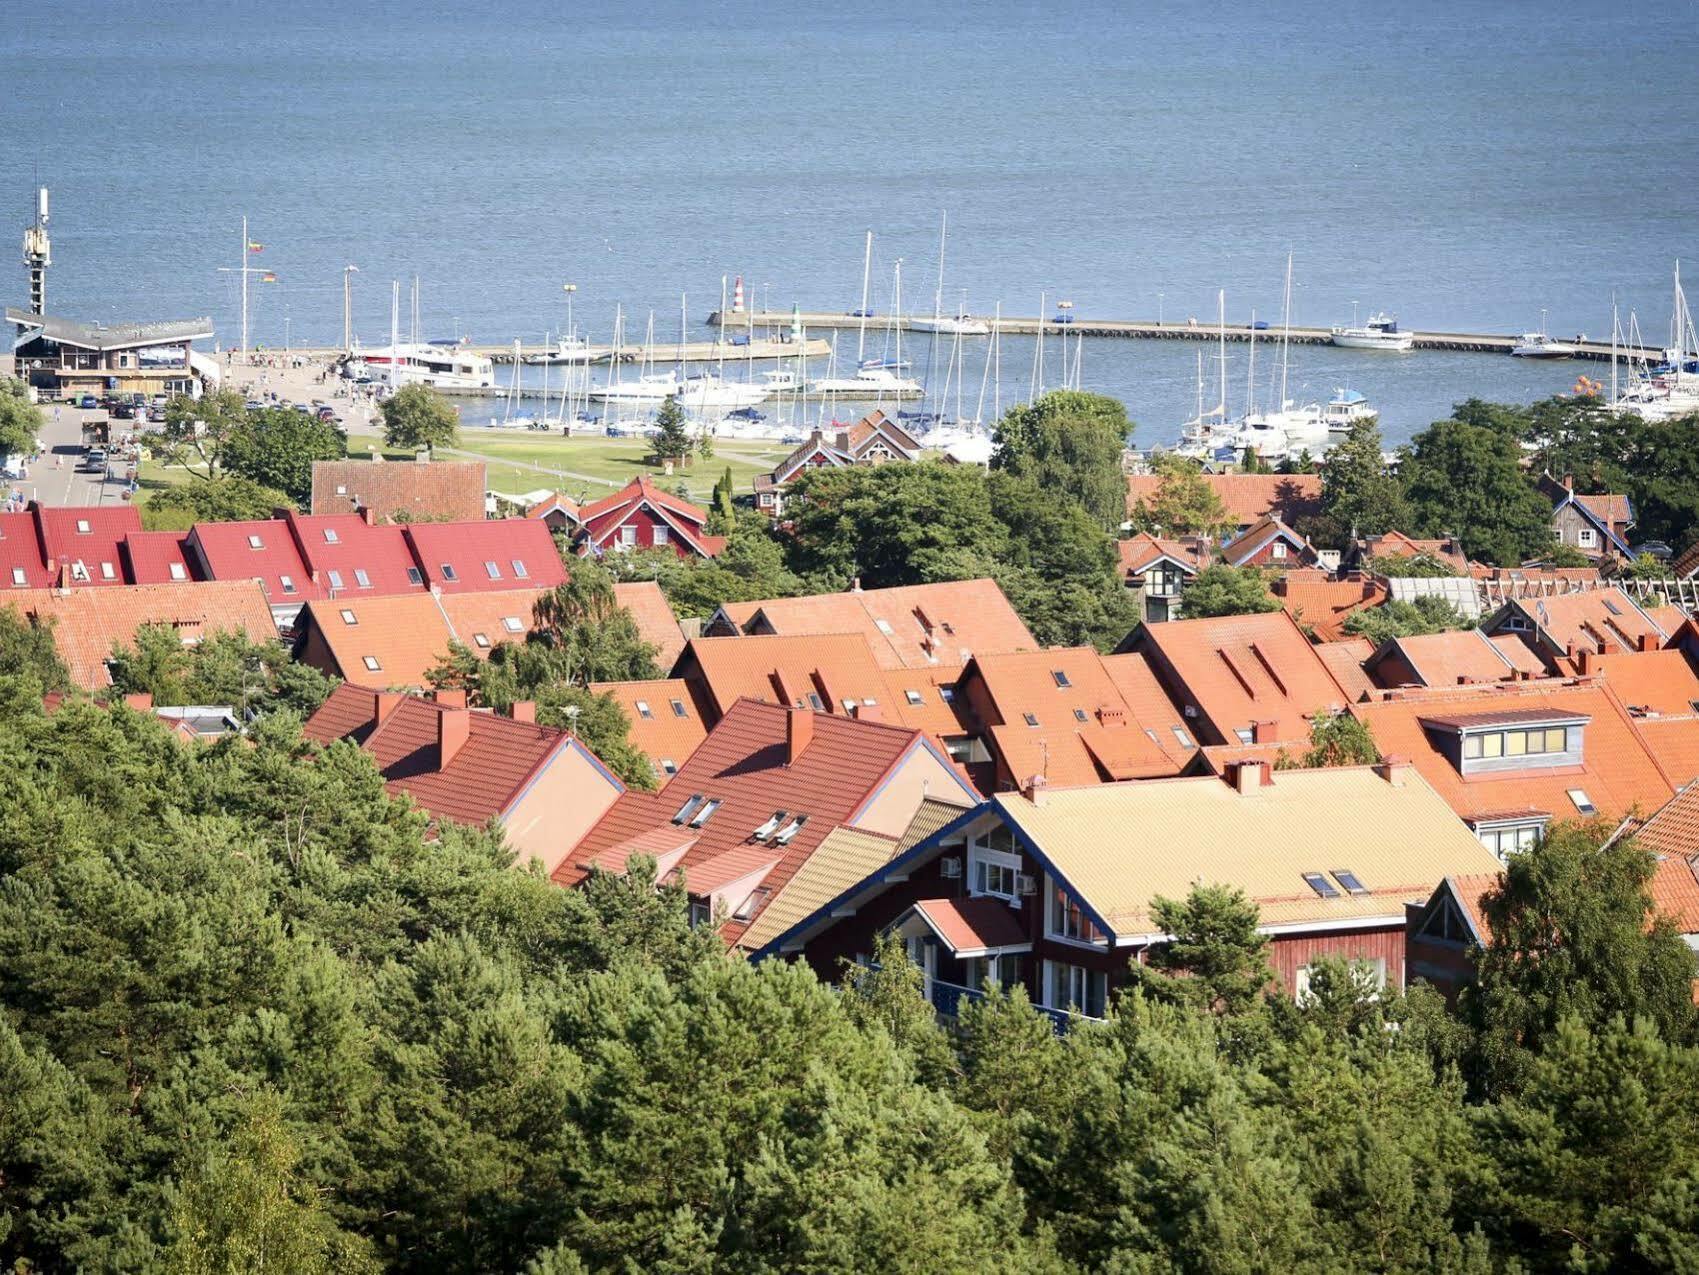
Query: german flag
255	247
268	277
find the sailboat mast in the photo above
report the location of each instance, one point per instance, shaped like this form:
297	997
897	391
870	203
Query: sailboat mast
1615	328
861	321
1221	336
997	365
1285	331
938	296
1251	370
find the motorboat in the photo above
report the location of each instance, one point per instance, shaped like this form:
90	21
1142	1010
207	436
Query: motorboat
710	393
875	382
569	349
959	324
1345	409
1538	345
441	365
781	381
652	389
1381	332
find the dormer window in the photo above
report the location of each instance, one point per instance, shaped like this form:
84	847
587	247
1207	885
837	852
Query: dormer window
1490	742
771	826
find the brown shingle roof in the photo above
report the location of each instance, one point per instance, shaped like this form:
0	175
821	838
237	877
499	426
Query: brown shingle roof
87	623
450	490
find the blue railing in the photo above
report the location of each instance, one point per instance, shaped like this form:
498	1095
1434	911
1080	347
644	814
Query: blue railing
947	999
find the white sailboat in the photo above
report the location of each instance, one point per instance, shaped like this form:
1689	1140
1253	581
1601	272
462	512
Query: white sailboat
961	323
1671	389
877	380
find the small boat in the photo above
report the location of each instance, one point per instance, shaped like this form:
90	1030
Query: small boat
569	349
1345	409
1539	345
1381	332
960	324
654	389
875	382
709	393
781	381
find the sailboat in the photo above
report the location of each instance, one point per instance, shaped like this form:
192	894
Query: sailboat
877	380
1670	389
961	323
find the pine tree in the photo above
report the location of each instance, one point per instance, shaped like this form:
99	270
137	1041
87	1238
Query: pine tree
672	439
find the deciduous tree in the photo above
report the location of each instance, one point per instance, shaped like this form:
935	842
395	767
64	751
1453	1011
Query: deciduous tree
1070	442
418	418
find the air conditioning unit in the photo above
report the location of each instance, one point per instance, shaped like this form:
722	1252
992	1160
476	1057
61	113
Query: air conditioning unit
1025	886
950	868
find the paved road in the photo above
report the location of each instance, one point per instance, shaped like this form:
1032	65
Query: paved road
55	479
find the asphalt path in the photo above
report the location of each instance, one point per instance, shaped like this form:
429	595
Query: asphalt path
54	479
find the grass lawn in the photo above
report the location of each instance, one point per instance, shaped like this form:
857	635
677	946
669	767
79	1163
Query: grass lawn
591	467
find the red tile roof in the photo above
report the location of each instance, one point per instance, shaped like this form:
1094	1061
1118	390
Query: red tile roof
972	926
910	626
656	623
352	558
1673	829
157	557
1589	618
1259	535
1660	682
1236	671
85	540
1141	552
551	503
1247	497
602	518
742	764
1616	772
22	561
259	550
1459	655
88	623
452	490
491	769
1395	544
1322	604
1674	741
493	555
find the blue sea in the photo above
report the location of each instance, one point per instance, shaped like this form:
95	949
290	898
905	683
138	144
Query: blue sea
1463	165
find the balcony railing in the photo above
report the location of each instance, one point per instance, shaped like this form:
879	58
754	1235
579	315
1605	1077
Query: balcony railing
947	999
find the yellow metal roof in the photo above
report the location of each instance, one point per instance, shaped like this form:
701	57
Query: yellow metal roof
843	858
1123	845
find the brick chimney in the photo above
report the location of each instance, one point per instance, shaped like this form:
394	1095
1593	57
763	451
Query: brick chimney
451	699
1248	776
1394	769
1646	642
387	703
1265	732
799	731
524	710
1586	663
454	725
369	515
1036	789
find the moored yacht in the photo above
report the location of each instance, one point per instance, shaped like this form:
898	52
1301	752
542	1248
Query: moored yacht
709	392
1345	409
1537	345
441	364
652	389
1381	332
870	382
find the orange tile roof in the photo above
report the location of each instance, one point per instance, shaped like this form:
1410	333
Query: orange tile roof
656	623
1662	682
661	732
87	623
1667	618
1446	659
481	781
1344	659
1673	829
1139	552
1322	604
452	490
972	926
1617	771
492	617
1674	741
742	764
1395	544
392	641
910	626
1084	732
1611	509
1675	893
550	503
1246	497
1236	671
1588	618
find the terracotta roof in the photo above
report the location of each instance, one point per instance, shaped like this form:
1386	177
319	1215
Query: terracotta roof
1612	509
85	540
496	554
1537	580
1344	659
602	518
1675	893
1673	829
390	641
1140	552
452	490
1668	618
658	728
1674	741
666	845
742	765
157	557
352	558
550	503
1322	604
1446	659
1660	682
481	781
656	623
1395	544
972	926
484	620
1083	728
260	550
1236	671
1686	562
1617	772
22	562
1261	533
87	623
1589	618
1262	841
1247	497
910	626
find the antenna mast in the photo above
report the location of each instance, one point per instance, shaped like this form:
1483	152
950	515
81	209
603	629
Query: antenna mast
38	254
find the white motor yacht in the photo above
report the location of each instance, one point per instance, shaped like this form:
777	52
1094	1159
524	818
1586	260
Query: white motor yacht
872	382
1345	409
652	389
1381	332
707	393
962	324
444	365
569	349
1537	345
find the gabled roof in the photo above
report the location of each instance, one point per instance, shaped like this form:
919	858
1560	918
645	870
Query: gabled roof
157	557
742	765
82	542
603	518
656	623
1617	772
451	490
1673	829
490	555
1322	604
387	641
972	926
554	502
1395	544
346	548
1141	552
1584	620
659	728
1345	659
844	857
1614	509
88	623
23	563
109	336
1084	728
1246	497
876	426
257	550
909	626
1661	683
1236	671
492	768
1259	535
1457	656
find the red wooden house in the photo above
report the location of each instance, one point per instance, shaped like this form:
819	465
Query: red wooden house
642	516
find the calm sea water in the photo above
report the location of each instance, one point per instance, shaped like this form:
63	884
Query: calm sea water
1463	165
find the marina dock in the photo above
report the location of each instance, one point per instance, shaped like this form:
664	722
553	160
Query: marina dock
1151	330
761	349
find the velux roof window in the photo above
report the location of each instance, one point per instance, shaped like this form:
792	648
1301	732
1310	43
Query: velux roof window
771	826
784	835
697	811
1321	885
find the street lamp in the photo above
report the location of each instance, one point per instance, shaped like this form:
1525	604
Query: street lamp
348	308
569	289
1159	309
286	334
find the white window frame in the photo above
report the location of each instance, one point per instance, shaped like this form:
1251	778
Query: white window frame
658	537
628	536
1002	861
1080	989
1053	930
1278	549
1587	538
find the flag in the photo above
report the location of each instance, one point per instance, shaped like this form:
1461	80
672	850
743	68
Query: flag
268	277
255	247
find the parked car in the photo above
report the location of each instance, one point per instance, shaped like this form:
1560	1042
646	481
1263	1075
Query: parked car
94	461
1064	318
123	412
89	403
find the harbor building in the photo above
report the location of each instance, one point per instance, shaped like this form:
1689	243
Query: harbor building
65	358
